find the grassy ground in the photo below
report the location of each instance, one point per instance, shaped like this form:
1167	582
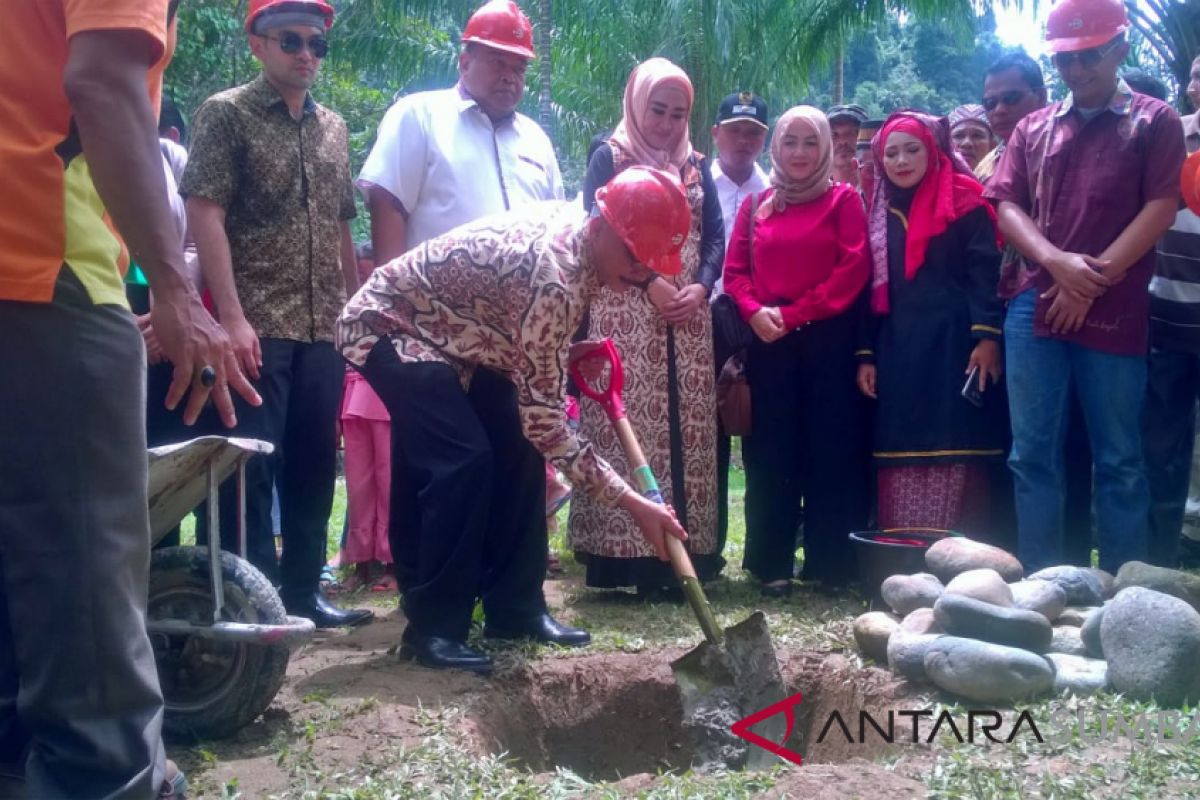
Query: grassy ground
440	765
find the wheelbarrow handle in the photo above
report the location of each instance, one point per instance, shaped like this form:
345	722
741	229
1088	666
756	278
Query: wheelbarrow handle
610	398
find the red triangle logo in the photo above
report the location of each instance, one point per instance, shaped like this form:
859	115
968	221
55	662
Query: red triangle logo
786	707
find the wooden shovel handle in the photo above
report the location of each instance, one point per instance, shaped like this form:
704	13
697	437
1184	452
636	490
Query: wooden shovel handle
681	562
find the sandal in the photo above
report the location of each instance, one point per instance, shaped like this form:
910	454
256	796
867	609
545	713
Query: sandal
386	583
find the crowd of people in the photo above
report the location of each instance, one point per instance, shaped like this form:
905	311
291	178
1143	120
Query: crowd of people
982	322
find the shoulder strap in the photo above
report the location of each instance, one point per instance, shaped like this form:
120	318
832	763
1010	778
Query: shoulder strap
754	198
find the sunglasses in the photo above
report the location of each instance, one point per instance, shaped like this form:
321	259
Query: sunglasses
1009	98
293	43
1087	58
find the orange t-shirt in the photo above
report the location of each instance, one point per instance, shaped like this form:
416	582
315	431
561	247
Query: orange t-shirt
50	214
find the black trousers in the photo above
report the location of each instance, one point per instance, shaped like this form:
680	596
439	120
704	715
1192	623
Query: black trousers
301	388
809	443
79	695
471	495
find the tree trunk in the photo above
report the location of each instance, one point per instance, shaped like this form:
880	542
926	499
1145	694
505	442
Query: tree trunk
545	36
839	73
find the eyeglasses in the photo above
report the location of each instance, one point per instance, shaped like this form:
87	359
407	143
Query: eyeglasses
1087	58
1009	98
293	43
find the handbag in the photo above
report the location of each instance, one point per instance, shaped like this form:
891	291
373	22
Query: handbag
732	336
733	397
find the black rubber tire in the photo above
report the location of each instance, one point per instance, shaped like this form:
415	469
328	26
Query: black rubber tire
213	689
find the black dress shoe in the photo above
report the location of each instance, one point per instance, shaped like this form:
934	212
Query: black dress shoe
325	614
542	628
439	652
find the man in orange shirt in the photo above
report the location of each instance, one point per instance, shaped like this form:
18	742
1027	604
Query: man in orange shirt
80	706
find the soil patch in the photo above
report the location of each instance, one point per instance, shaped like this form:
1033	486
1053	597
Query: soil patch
607	717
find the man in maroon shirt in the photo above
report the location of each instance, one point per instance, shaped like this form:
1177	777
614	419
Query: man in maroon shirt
1085	188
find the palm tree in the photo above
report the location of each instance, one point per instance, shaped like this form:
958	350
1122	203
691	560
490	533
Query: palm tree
1172	30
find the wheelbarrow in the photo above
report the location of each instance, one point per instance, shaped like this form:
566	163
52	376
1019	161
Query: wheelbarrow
220	635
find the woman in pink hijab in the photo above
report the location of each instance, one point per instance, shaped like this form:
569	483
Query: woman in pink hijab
664	333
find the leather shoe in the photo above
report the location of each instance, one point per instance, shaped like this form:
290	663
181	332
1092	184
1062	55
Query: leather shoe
439	652
542	628
776	589
325	614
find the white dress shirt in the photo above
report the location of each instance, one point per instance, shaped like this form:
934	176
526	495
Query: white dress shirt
441	156
731	196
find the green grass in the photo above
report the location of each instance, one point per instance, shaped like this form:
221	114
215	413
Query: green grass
442	767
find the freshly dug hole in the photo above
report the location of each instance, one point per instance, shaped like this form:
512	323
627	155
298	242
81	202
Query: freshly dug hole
602	717
610	716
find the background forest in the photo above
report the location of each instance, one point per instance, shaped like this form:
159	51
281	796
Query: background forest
928	54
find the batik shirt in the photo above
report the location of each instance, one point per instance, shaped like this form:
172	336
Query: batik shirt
285	187
506	293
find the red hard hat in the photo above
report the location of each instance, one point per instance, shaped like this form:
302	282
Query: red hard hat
259	7
649	210
501	24
1083	24
1189	182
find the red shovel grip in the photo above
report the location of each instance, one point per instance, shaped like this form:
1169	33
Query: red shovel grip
610	398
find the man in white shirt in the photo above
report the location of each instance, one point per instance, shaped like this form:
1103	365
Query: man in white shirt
445	158
739	136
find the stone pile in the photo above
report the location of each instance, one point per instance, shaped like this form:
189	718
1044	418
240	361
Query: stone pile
977	627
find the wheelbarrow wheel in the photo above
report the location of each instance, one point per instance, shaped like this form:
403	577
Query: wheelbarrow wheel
213	688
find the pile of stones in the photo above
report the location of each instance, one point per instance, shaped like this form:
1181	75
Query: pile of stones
977	627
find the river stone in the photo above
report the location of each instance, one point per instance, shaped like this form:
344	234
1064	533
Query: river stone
1168	581
871	633
906	593
1081	676
985	585
1082	587
954	554
1016	627
1067	641
1152	643
1089	633
987	673
921	621
1075	615
1044	597
906	653
1106	580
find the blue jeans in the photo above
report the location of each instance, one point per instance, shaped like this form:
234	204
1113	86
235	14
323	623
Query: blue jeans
1111	391
1169	431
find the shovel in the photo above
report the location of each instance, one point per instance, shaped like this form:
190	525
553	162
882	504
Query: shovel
719	684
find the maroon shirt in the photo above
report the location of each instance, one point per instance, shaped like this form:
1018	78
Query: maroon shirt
1083	182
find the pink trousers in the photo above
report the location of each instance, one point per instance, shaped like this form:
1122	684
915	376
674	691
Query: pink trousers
368	489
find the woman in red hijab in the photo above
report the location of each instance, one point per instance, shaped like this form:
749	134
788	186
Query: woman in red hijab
931	347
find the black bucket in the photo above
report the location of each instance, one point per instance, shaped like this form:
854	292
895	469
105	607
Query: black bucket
899	551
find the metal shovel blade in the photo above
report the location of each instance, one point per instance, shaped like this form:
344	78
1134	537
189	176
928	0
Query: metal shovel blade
721	685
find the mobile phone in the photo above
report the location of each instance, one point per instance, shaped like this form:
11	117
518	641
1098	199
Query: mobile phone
971	391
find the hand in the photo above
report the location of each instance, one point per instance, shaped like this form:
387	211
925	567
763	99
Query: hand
154	353
661	293
654	520
1067	311
1080	274
686	302
191	339
245	345
866	380
592	366
767	324
986	356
